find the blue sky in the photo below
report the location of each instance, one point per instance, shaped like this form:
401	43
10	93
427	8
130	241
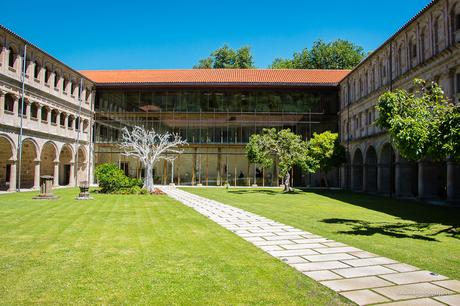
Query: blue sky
176	34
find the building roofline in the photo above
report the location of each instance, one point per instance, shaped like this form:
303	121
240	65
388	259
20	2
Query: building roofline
392	37
44	52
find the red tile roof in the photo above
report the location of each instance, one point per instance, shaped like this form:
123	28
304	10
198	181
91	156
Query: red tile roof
273	77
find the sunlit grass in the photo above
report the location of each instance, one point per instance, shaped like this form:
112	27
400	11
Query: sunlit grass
411	232
135	250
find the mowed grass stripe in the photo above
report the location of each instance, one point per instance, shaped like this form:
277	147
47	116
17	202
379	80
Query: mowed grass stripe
135	250
419	234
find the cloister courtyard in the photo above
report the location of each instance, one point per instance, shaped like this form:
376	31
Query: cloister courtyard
152	249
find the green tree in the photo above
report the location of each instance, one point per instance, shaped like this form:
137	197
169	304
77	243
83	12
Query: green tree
287	148
326	152
339	54
421	124
226	57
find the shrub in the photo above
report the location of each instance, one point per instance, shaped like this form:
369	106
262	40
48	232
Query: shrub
113	180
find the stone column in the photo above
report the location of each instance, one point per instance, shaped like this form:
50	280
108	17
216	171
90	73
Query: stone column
56	174
397	177
72	175
2	102
219	158
12	175
36	175
421	185
365	186
451	196
379	178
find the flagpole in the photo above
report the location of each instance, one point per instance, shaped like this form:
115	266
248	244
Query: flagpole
23	77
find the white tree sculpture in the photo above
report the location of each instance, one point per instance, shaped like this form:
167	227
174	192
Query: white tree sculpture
149	147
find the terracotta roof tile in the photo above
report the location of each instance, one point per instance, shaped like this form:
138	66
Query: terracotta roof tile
218	76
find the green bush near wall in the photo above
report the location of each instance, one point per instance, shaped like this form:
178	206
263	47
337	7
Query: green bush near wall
112	179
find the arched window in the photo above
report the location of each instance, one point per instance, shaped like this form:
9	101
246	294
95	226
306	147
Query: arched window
70	122
412	52
37	69
56	79
11	57
24	110
34	110
455	23
54	115
77	123
438	35
47	75
399	60
64	84
44	114
62	119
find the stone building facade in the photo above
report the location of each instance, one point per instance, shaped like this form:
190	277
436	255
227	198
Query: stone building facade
426	47
56	117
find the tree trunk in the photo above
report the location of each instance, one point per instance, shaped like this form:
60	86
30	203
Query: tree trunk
324	175
148	180
287	183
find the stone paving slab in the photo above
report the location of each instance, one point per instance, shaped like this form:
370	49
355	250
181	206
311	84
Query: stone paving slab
450	299
362	277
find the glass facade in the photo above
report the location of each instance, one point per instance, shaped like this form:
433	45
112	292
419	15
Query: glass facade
217	123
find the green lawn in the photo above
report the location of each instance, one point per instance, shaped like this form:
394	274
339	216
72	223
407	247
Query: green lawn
135	250
415	233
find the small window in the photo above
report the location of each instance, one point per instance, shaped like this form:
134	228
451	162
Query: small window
9	103
457	89
56	80
64	84
11	57
414	51
70	122
62	119
33	110
54	115
47	76
36	70
24	110
72	87
44	114
457	22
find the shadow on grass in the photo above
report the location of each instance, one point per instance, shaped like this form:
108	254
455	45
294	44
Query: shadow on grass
397	230
423	216
261	191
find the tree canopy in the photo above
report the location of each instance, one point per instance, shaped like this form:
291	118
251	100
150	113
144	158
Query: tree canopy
323	151
339	54
226	57
421	124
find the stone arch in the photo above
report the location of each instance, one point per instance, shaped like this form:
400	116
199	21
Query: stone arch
29	163
386	170
370	170
357	175
7	158
48	157
82	164
66	163
348	171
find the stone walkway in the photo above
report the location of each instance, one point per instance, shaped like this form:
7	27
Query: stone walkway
360	276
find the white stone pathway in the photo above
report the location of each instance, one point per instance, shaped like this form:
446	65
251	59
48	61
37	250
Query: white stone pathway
360	276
